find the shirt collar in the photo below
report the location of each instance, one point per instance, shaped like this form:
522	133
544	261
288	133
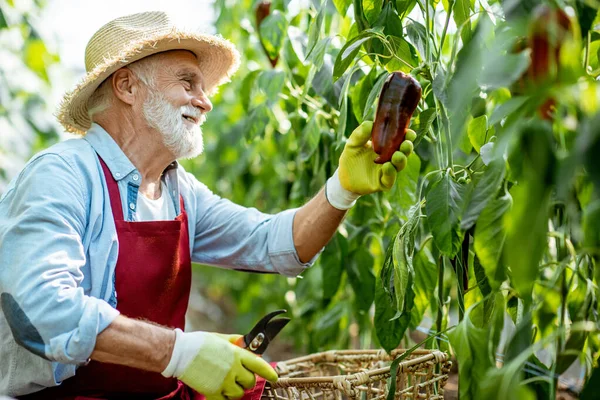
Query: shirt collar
117	162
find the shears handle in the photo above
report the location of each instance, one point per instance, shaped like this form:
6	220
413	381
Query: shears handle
240	342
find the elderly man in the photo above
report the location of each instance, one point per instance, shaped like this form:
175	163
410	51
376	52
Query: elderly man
97	234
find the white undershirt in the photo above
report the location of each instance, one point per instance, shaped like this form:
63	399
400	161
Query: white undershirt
161	209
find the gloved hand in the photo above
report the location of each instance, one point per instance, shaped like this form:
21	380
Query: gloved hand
358	174
212	365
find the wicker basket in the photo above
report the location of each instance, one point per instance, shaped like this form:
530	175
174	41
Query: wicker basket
360	374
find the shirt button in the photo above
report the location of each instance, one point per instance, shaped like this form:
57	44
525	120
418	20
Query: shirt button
118	174
135	177
132	206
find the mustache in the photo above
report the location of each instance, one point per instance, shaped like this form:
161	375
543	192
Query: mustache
194	112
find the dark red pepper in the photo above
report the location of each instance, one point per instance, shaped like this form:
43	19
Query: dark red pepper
263	9
398	100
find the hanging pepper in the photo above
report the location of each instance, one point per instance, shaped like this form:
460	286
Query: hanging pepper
398	100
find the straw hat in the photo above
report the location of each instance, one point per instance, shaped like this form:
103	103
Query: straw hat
132	37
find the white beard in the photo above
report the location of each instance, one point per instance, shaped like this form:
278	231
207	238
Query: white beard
181	140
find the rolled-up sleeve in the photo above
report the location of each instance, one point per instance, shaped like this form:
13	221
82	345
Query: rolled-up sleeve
43	217
232	236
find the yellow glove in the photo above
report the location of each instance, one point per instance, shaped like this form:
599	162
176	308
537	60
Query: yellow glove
358	174
212	365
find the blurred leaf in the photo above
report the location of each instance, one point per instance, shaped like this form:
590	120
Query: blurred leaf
37	57
317	55
403	270
445	200
256	122
486	188
477	130
327	327
3	23
332	262
503	70
314	32
247	88
271	83
490	237
272	33
359	267
342	6
506	109
311	135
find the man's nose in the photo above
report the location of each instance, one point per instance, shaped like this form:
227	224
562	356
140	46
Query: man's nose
201	101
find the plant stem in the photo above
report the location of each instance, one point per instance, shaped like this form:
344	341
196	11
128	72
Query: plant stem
448	14
428	28
440	313
587	51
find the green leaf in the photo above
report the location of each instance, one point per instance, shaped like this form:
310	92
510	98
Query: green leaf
272	33
426	119
360	92
490	237
247	89
373	95
372	9
390	328
507	109
404	194
405	55
359	268
477	130
317	55
314	32
592	387
311	135
332	262
258	119
425	282
349	52
404	7
417	33
342	6
37	57
474	356
486	188
402	270
327	327
503	70
3	23
586	15
462	11
271	83
444	205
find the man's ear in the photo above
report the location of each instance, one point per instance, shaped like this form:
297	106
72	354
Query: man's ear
126	86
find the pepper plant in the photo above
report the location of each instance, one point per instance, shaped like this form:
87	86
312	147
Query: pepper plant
497	213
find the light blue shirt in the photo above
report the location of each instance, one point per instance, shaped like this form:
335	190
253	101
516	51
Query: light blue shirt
58	251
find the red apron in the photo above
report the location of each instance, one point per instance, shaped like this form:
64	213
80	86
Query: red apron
152	281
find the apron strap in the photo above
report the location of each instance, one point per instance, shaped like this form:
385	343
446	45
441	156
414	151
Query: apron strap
113	192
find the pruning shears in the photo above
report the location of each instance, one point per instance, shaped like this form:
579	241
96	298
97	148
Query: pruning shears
258	339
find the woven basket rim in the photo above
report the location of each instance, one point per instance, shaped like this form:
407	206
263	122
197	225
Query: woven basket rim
424	355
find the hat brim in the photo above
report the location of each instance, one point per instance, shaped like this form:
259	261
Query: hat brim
217	58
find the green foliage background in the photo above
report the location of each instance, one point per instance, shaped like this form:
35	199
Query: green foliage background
497	213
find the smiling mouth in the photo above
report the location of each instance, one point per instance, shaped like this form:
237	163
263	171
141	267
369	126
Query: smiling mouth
191	119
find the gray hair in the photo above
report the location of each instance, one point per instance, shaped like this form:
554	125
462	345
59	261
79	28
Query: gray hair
145	70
